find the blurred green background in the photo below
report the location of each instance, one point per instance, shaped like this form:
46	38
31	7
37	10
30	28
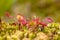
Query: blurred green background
40	8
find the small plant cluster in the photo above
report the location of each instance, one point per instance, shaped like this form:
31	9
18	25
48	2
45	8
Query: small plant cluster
32	29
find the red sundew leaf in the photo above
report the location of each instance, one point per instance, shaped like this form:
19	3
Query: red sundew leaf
49	20
20	17
28	24
33	22
8	15
24	22
36	20
42	23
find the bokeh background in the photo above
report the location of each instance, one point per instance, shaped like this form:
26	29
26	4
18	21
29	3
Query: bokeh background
29	8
